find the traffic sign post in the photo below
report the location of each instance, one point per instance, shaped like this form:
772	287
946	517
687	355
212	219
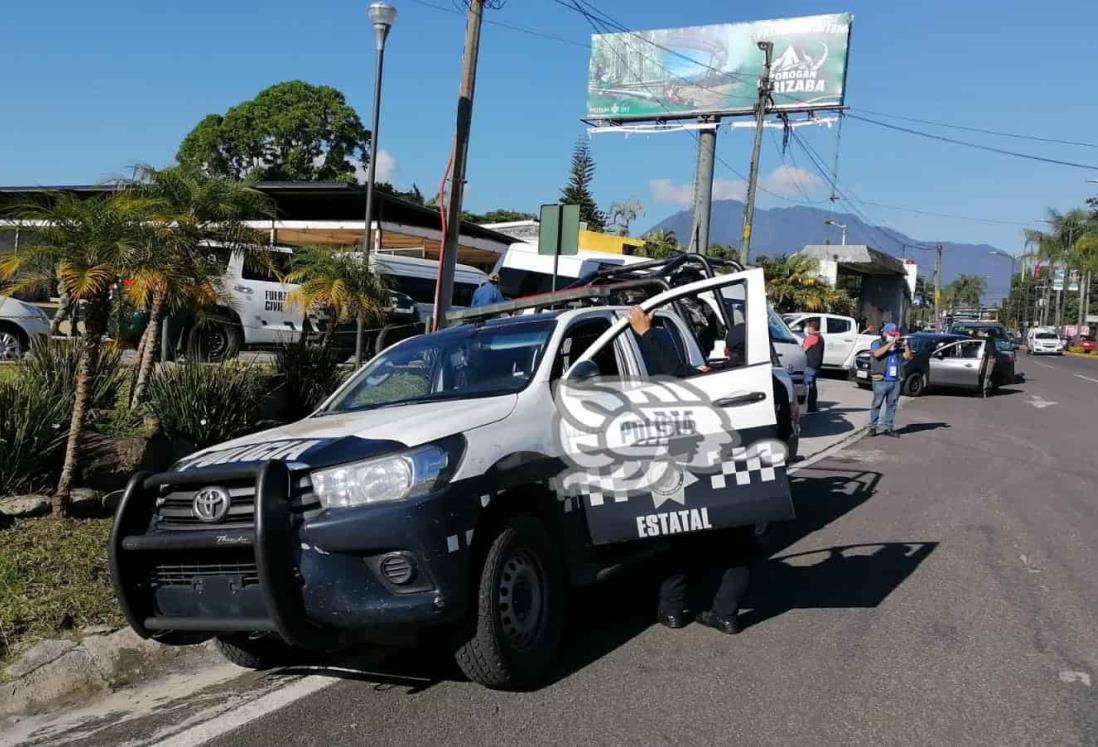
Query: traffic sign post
558	233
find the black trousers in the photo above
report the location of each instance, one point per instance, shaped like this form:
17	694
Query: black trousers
692	560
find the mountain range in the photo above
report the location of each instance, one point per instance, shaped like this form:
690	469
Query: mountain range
785	230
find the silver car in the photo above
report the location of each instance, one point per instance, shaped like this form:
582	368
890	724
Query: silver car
964	365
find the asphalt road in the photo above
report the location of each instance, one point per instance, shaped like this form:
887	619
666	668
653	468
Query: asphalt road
936	588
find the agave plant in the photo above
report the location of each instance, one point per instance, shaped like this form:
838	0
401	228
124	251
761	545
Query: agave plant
206	404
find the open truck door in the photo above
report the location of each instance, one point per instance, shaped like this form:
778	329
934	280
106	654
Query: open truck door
692	451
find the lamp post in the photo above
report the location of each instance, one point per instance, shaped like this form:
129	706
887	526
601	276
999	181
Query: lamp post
838	225
381	16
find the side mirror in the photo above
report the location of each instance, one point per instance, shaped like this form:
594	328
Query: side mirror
939	355
583	371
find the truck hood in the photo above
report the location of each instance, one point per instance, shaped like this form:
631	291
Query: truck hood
327	439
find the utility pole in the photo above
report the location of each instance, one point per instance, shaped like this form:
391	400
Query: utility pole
938	286
753	177
444	290
703	185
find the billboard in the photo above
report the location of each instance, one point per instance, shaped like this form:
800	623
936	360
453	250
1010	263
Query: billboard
687	72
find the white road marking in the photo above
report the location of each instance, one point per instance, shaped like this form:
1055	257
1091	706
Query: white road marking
1080	376
1044	364
1040	402
1069	677
256	709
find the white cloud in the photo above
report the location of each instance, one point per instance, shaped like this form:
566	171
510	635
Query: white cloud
666	192
786	179
384	171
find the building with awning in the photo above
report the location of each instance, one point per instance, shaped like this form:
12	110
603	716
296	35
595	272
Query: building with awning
886	285
324	214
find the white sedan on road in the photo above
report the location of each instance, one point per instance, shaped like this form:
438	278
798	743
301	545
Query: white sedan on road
20	323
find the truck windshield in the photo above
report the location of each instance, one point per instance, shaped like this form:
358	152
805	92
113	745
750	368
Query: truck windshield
465	361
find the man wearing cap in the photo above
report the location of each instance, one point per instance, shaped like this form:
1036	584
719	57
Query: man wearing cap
489	293
886	358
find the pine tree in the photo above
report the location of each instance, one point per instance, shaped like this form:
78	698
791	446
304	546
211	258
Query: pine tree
578	191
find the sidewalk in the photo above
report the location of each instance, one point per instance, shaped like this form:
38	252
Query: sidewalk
843	414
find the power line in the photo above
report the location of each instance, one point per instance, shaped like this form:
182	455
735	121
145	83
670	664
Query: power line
998	133
978	146
509	26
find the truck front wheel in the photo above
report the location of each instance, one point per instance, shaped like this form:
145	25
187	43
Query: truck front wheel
519	609
256	653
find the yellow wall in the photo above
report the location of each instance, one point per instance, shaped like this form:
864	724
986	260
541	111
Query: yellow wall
593	241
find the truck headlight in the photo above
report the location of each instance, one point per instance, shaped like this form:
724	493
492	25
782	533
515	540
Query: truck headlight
389	478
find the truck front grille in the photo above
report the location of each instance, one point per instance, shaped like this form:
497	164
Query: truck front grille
175	507
187	574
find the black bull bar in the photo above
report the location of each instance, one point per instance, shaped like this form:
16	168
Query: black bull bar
271	540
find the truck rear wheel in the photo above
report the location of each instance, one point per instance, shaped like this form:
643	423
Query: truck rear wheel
214	340
519	609
256	653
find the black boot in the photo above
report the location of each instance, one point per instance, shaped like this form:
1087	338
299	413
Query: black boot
672	619
726	625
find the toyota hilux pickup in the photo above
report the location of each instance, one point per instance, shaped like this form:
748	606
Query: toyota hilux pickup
426	496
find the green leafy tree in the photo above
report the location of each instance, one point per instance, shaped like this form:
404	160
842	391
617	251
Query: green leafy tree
291	131
194	217
660	244
578	190
965	291
411	195
90	243
793	284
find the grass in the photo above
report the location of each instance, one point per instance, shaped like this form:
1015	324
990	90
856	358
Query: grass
54	577
8	372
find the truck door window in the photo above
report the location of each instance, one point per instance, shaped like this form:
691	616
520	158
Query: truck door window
836	326
721	346
279	266
577	339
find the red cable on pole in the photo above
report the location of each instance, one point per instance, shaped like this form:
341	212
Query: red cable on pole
441	198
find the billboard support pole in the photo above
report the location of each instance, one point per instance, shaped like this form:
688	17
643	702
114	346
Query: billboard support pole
703	185
753	178
444	290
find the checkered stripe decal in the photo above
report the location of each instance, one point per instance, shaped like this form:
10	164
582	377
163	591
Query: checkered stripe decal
746	463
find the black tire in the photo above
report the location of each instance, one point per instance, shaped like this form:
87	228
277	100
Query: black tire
519	606
914	385
256	653
214	340
13	343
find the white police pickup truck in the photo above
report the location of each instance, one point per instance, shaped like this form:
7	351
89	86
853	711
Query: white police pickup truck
257	314
425	497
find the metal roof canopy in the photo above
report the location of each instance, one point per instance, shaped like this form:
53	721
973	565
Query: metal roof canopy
859	258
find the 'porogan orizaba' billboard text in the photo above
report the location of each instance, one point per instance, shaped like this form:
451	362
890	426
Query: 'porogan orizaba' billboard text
702	70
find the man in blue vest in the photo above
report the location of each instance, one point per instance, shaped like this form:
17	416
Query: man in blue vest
886	357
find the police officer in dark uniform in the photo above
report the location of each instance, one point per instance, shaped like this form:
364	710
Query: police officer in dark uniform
692	556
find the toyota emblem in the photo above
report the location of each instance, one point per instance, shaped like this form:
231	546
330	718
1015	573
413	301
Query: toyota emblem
211	505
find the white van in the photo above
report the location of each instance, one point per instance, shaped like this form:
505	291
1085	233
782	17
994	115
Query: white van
1044	341
257	313
524	272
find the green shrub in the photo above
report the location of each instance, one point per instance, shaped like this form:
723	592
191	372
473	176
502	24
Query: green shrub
33	426
51	366
310	372
53	576
207	403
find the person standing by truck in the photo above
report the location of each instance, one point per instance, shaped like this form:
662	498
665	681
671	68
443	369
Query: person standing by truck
489	293
814	355
886	358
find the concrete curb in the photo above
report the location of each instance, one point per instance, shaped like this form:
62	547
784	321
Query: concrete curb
1088	356
56	672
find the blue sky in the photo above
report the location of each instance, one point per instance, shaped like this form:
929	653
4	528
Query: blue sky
89	88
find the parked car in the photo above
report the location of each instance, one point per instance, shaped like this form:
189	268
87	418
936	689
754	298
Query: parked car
257	315
421	499
1086	342
960	365
1042	341
20	324
842	340
916	372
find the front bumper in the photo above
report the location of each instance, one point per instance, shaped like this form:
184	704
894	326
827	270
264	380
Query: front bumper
314	578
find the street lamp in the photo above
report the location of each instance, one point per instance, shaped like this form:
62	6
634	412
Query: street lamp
381	16
838	225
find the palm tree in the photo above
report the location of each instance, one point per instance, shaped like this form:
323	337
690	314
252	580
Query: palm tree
90	242
196	219
1056	244
340	285
661	243
965	290
623	213
793	284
